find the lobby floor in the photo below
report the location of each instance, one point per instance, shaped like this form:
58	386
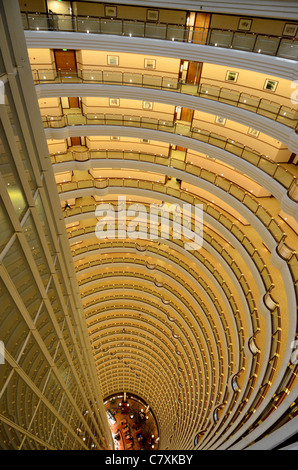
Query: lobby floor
135	429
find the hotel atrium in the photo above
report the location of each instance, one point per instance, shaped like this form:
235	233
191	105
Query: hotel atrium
145	107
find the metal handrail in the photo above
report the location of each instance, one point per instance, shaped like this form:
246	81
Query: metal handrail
283	114
165	31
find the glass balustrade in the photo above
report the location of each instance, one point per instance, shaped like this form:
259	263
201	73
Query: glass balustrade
250	202
255	367
245	41
267	108
280	174
118	182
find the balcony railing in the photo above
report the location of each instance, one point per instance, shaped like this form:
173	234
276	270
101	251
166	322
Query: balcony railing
240	194
275	324
267	108
244	41
270	167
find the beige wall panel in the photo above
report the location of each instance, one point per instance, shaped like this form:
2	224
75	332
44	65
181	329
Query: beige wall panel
62	8
127	107
56	146
50	106
259	25
33	5
248	82
127	62
129	12
39	57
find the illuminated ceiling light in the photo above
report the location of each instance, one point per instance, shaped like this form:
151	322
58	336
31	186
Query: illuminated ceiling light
87	31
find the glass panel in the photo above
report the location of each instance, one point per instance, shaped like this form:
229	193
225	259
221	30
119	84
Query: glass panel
38	22
91	75
88	24
157	31
6	227
18	269
47	330
56	304
112	77
134	28
45	225
38	427
63	23
111	26
244	41
19	139
268	109
14	330
284	177
221	38
151	80
10	176
176	33
266	45
37	251
34	363
288	49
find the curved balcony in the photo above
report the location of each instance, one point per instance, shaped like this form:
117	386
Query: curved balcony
240	40
269	167
121	259
271	364
264	107
250	203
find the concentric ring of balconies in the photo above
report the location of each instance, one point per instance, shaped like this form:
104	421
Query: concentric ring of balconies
208	143
261	395
268	108
180	327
